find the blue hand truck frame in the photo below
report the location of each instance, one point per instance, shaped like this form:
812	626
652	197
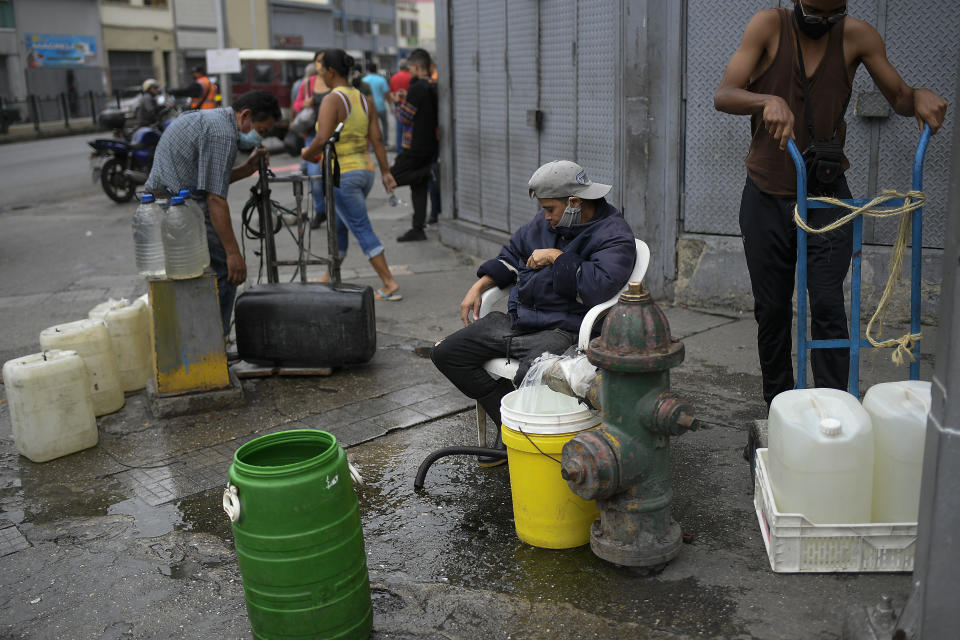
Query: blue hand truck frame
854	343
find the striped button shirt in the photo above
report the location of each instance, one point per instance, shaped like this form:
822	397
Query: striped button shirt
196	152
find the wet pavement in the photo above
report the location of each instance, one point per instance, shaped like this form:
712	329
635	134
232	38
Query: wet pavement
128	539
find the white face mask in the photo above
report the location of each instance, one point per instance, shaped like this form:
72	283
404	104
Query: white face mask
571	216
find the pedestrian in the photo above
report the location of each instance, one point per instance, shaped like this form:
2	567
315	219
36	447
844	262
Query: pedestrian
202	91
399	83
148	111
197	152
794	82
418	152
311	94
361	126
577	252
380	90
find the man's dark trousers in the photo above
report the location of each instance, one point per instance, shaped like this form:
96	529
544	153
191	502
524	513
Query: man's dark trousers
415	172
461	355
770	245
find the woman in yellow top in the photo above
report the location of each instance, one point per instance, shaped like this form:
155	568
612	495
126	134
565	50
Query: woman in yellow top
360	125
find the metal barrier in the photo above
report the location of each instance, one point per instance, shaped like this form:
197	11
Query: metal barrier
68	108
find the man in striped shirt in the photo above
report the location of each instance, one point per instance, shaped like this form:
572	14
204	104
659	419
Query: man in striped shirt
197	152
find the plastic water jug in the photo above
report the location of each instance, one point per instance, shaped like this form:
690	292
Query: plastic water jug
898	411
821	456
191	204
129	328
296	528
50	405
183	255
91	341
147	237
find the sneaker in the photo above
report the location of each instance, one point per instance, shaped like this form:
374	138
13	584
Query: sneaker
412	235
433	221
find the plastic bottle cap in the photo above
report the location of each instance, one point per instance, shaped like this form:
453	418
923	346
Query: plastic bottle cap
176	200
830	427
146	198
184	193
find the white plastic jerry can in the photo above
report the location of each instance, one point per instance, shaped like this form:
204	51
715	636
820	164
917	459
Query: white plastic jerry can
91	341
51	408
129	328
821	456
899	412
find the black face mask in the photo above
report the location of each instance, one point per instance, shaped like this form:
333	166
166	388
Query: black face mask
815	31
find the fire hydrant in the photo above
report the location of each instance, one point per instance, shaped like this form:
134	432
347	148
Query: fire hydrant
625	463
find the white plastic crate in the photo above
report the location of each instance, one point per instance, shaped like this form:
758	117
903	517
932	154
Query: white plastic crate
796	545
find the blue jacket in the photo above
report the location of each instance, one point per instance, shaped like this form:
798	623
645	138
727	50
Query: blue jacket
597	260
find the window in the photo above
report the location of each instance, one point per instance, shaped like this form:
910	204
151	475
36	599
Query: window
6	15
263	73
360	26
409	28
386	29
128	69
241	76
338	24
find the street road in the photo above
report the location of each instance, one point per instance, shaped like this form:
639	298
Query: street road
48	170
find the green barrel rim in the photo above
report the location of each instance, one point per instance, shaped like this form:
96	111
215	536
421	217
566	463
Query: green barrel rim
324	443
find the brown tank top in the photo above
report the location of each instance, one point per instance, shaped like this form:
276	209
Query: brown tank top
771	169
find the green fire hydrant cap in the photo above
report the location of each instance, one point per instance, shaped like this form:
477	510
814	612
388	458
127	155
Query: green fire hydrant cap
635	336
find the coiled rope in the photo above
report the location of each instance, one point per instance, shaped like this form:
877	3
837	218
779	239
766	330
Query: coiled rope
911	200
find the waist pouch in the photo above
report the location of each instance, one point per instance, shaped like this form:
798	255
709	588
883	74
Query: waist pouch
824	162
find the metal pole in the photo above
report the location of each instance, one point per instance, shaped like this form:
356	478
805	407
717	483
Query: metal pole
93	107
932	610
66	111
226	91
35	111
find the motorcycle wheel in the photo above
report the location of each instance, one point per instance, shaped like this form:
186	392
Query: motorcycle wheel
117	186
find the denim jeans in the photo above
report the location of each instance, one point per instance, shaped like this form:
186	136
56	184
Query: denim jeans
316	186
399	134
218	262
350	199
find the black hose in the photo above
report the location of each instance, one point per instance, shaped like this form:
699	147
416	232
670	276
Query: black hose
454	451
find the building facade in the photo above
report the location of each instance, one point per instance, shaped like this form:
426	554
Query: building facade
416	26
626	89
53	50
138	36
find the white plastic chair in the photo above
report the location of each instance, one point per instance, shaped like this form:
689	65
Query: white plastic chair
507	368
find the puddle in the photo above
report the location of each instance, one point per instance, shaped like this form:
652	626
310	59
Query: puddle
150	521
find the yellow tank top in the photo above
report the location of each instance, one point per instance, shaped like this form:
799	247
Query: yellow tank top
352	147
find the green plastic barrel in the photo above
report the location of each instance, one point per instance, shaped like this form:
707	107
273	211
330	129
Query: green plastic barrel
296	527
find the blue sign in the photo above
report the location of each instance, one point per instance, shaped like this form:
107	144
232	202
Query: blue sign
57	50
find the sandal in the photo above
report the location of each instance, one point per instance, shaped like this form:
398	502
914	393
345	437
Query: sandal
391	297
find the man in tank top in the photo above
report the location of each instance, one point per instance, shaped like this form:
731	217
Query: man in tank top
763	80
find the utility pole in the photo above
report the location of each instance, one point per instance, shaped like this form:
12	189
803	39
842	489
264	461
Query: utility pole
226	91
932	611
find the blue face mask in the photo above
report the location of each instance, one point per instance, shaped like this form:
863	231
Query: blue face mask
249	140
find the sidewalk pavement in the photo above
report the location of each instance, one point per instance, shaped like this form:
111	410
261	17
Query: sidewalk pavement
26	131
128	539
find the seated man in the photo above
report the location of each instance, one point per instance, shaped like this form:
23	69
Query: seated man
577	252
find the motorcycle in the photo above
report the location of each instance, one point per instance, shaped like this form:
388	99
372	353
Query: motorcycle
123	163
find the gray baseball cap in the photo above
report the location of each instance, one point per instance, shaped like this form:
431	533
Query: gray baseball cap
562	179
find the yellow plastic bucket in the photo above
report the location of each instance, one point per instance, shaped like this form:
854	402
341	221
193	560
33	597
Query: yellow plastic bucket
537	422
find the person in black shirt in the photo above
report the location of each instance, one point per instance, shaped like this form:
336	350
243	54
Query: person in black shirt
418	152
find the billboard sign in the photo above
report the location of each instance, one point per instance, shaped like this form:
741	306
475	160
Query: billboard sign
59	50
223	60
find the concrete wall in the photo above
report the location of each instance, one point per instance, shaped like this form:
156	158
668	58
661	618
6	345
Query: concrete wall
156	41
68	17
131	16
248	31
311	25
